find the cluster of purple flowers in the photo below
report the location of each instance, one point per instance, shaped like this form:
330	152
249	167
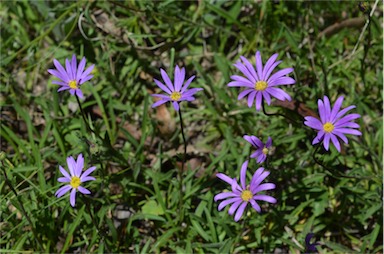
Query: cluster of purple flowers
260	85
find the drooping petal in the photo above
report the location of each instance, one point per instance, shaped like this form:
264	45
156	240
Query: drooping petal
319	137
336	142
72	198
68	68
61	70
336	108
255	205
244	93
346	119
162	86
262	157
80	69
259	180
176	106
313	122
239	84
327	109
79	93
59	75
85	79
71	165
266	198
268	65
224	195
236	187
257	142
264	187
166	79
79	165
256	176
63	179
64	172
158	103
191	92
87	178
87	72
267	97
88	171
225	178
282	81
327	138
63	88
227	202
280	74
259	100
250	68
341	136
240	211
234	206
344	111
268	73
74	66
83	190
251	98
243	174
245	71
278	93
60	192
349	131
187	83
259	65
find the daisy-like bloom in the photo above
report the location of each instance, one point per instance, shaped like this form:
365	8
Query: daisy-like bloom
261	149
72	76
75	178
333	123
177	92
243	194
259	83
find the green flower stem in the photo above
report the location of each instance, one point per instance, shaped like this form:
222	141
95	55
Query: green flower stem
181	171
100	232
84	118
275	114
22	207
335	173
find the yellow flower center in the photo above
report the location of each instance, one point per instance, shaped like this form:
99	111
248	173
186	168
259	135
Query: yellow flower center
261	85
75	182
72	84
246	195
175	96
265	150
328	127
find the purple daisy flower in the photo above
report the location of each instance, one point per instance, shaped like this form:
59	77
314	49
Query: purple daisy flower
72	76
333	123
75	178
261	149
259	83
177	92
243	194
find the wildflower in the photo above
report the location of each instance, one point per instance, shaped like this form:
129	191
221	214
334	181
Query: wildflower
243	194
177	92
259	83
310	247
72	76
75	178
332	123
262	150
